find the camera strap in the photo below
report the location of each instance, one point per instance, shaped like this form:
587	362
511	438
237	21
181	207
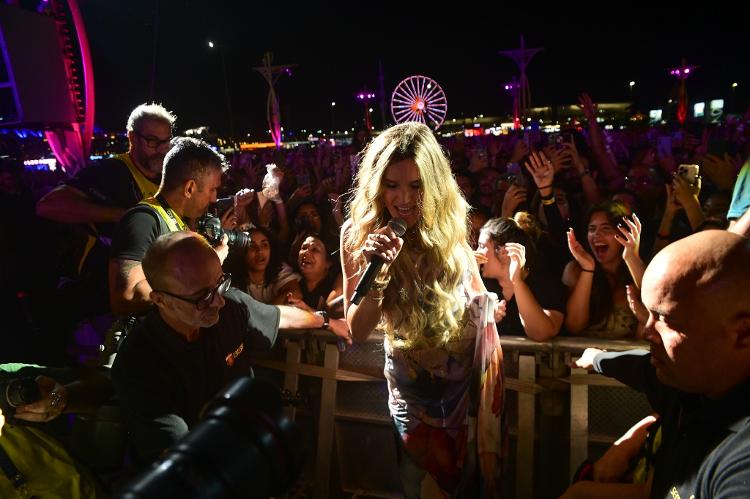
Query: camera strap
16	477
172	219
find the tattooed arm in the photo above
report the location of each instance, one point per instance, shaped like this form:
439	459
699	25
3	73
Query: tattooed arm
128	289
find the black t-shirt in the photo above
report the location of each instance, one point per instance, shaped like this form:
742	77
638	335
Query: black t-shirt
138	228
316	298
705	446
546	288
108	182
163	381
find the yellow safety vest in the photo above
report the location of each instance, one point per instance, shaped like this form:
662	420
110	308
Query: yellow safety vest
147	189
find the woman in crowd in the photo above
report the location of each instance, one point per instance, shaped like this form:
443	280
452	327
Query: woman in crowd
321	285
598	302
507	252
443	358
261	272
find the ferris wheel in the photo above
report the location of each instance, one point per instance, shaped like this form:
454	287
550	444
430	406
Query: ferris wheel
419	98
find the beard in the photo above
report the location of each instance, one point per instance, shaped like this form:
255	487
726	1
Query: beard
151	163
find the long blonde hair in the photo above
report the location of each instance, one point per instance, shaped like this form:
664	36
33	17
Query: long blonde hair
423	305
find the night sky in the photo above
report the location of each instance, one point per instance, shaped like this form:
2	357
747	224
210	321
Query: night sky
338	46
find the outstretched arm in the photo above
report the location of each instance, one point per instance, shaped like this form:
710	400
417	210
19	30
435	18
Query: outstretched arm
68	205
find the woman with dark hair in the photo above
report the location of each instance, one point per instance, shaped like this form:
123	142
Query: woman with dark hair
317	262
598	300
261	272
507	253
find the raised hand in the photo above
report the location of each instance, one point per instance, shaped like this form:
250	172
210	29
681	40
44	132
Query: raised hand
300	193
636	305
587	106
673	205
229	219
583	257
629	237
684	191
520	151
720	171
517	260
243	198
514	196
541	169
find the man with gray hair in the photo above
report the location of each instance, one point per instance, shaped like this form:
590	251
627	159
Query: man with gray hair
100	194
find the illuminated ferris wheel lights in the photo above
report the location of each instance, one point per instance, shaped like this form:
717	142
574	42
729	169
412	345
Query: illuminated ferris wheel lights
418	98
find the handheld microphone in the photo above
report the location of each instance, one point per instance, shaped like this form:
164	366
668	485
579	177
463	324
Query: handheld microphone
398	226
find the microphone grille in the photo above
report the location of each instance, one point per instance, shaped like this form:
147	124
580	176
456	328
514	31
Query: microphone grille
397	225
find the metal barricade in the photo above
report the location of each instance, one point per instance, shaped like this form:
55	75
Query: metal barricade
550	406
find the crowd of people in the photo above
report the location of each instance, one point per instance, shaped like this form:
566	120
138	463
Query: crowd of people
586	232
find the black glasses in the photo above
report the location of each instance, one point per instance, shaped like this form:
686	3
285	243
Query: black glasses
153	142
203	302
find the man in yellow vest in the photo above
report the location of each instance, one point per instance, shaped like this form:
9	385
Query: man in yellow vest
99	195
190	180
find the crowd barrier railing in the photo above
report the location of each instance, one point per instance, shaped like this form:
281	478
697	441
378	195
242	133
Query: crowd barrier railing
536	371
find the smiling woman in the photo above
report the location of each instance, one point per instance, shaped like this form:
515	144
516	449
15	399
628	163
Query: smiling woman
598	303
443	356
260	270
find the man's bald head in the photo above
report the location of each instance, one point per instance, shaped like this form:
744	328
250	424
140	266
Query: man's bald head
172	256
712	263
697	291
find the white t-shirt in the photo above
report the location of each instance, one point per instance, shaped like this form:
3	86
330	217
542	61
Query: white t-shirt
267	293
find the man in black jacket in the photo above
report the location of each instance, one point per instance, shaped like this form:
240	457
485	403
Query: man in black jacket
697	374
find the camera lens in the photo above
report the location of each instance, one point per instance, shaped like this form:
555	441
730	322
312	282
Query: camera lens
22	391
237	239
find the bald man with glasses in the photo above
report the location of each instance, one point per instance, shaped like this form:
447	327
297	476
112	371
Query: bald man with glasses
195	340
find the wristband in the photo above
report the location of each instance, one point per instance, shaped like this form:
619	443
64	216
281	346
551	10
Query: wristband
324	315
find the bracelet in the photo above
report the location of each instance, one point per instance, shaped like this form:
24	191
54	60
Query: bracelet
380	286
324	315
548	201
586	270
375	295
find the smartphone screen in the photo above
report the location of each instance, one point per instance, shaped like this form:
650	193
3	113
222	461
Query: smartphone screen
688	172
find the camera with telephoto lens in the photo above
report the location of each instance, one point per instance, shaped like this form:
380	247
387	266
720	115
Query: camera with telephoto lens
209	226
17	392
244	447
